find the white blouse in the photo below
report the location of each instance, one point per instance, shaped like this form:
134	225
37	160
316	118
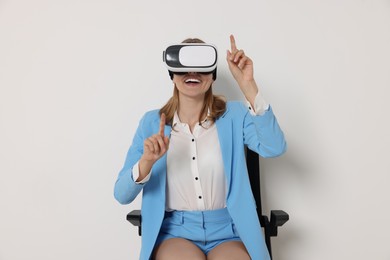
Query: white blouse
195	174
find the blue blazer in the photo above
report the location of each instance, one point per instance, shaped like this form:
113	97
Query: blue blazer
236	128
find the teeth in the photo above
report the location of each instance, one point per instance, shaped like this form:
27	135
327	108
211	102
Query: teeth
192	81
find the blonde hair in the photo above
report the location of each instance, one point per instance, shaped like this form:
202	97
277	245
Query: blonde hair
215	105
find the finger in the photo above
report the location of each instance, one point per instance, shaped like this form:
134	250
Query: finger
233	43
238	55
156	146
229	56
162	124
230	61
161	143
242	62
149	146
154	143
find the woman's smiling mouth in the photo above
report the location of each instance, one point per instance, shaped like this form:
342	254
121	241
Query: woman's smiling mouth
192	81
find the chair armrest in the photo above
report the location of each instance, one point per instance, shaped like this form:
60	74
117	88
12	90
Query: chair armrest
134	217
278	218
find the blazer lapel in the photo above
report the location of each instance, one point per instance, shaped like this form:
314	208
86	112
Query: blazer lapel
163	161
224	128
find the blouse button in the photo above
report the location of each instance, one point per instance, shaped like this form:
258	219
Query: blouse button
200	197
193	158
193	140
196	178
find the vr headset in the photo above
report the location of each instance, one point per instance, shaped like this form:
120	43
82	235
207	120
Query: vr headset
191	57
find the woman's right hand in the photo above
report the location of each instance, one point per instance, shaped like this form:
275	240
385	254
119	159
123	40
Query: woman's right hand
154	148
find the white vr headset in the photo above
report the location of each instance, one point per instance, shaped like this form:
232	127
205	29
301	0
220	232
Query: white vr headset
191	57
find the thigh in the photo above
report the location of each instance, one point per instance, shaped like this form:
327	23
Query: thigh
231	250
178	249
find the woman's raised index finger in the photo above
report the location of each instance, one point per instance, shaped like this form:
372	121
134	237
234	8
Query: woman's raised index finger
162	124
233	43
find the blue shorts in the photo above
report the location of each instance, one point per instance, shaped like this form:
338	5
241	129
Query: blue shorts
206	229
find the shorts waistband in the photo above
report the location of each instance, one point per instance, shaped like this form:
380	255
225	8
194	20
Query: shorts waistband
206	216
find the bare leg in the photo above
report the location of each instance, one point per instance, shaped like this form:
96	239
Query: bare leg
178	249
231	250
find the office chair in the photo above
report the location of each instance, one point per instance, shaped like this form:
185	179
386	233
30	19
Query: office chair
270	226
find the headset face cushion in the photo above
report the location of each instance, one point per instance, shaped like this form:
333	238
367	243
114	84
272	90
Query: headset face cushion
191	57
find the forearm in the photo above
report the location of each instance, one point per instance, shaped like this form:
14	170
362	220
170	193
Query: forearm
264	135
250	90
126	190
145	166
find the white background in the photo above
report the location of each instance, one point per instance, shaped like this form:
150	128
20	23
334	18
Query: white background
76	76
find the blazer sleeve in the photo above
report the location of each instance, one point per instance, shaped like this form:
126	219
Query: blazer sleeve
126	190
263	134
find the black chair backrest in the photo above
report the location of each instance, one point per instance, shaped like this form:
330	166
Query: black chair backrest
253	165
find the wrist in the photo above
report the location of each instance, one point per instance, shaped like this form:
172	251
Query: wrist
145	166
250	90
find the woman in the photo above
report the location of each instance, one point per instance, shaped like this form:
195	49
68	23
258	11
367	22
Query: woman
189	160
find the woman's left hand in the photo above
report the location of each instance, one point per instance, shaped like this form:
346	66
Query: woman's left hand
241	67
